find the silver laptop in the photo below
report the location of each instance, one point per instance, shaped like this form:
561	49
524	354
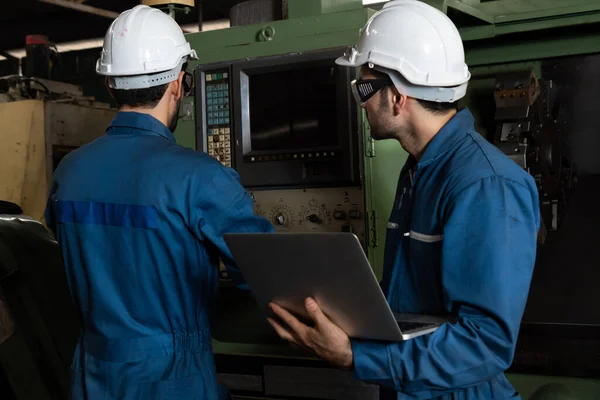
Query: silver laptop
286	268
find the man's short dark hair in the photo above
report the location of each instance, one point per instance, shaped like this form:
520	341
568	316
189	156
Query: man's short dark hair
438	108
141	98
433	107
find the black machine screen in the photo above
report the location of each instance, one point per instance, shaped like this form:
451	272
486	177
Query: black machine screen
294	109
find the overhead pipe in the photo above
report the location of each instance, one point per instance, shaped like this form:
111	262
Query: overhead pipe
200	12
83	8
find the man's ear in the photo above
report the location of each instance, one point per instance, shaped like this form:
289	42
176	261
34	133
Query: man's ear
110	90
177	87
398	101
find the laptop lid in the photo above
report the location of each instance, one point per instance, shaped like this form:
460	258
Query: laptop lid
286	268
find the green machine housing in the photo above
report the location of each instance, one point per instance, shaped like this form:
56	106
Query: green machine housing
500	37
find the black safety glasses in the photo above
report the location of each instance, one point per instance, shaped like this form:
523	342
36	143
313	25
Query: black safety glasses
364	89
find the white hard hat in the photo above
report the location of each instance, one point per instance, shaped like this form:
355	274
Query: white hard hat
144	47
418	46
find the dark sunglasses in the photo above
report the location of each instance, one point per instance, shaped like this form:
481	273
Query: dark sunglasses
364	89
188	83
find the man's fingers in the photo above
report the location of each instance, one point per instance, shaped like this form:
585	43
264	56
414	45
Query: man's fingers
315	312
282	332
297	327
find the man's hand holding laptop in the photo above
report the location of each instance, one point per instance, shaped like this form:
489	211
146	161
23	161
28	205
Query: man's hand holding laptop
325	338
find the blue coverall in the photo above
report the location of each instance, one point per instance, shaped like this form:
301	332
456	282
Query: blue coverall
461	241
140	223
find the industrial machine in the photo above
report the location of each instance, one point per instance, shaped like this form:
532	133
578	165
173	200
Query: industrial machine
288	125
42	121
530	130
271	103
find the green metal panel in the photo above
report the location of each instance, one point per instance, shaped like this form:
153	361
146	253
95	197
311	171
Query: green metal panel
306	8
537	48
504	17
529	386
185	134
301	34
471	9
521	10
382	172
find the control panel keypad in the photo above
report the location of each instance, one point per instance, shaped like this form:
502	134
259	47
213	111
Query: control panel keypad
219	145
218	116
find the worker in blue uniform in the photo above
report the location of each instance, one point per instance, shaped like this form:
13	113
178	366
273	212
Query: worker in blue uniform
140	223
461	238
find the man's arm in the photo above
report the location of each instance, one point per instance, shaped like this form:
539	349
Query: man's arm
488	257
227	208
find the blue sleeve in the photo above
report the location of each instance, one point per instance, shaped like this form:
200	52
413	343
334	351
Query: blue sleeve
488	256
227	208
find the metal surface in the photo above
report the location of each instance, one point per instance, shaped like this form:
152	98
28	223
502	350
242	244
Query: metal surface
498	18
256	12
36	133
554	387
530	130
308	8
17	87
316	383
575	40
313	210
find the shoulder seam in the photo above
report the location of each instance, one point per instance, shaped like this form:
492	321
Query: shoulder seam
458	191
470	133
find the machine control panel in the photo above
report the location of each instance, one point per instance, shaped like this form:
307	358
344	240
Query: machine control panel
313	210
218	115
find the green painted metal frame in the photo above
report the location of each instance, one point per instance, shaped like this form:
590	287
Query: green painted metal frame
308	8
507	17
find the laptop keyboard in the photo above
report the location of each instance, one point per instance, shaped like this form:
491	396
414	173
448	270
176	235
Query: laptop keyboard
411	326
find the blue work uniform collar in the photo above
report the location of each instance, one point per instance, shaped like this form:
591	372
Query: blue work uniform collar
139	121
447	137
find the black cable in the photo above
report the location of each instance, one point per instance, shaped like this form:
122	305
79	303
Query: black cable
27	79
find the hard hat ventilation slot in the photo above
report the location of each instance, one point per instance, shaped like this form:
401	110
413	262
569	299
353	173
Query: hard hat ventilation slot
148	81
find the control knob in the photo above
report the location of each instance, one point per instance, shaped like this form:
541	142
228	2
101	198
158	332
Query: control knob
315	215
314	218
280	219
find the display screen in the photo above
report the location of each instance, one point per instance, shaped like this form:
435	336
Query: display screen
293	109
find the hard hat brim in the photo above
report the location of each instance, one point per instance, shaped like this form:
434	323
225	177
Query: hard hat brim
345	62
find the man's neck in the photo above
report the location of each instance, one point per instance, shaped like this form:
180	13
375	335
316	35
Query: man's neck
425	127
154	112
